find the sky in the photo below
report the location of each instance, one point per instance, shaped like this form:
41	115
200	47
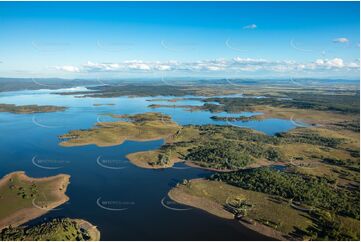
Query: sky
180	39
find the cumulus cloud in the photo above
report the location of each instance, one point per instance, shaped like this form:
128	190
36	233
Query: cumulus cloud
340	40
251	26
336	62
237	64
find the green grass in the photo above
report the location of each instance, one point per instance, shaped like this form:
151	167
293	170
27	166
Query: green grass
263	207
139	127
19	192
272	211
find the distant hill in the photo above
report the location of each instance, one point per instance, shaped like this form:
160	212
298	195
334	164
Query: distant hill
17	84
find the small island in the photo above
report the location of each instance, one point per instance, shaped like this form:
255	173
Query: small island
23	198
240	118
103	104
189	108
28	109
171	100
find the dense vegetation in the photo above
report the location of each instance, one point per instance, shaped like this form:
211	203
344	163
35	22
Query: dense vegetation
220	155
328	226
57	229
145	117
230	148
353	125
349	164
226	147
324	102
312	191
310	137
327	102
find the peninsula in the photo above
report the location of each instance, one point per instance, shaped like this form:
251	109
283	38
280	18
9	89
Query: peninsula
23	198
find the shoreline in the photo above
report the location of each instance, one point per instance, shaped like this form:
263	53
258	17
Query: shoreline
90	228
142	127
30	109
216	209
143	162
28	213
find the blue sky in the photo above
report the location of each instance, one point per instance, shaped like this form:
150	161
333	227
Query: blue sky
208	39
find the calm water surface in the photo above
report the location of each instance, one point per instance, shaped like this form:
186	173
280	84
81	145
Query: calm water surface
134	202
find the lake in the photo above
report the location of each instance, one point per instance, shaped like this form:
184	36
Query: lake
124	201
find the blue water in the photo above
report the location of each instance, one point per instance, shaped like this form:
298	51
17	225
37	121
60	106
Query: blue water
133	196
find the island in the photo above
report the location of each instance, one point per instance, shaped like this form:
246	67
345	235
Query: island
28	109
189	108
103	104
171	100
239	118
23	198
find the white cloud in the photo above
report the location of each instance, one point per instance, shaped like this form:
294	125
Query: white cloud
137	65
354	65
340	40
331	64
251	26
67	68
336	62
237	64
